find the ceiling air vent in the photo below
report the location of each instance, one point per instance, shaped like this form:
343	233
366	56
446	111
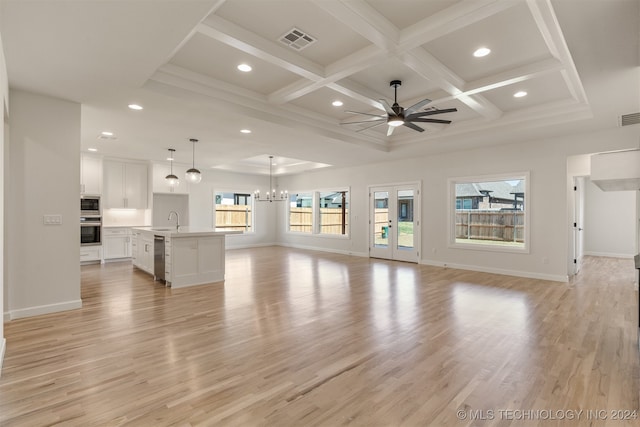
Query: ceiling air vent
297	39
629	119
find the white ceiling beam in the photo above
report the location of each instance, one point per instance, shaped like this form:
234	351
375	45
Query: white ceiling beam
339	70
449	20
359	93
199	90
545	18
513	76
427	66
227	32
364	20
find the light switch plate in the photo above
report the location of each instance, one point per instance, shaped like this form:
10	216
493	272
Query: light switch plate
52	219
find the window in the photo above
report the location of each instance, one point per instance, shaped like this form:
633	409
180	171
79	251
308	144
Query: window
490	212
301	212
319	212
333	212
234	211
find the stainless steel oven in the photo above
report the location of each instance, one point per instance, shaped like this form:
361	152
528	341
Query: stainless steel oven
90	230
90	206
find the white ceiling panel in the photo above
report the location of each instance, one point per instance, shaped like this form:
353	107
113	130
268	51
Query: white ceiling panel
334	40
320	101
404	13
219	61
512	35
543	90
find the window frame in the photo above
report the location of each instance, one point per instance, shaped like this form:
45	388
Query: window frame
239	191
451	208
315	213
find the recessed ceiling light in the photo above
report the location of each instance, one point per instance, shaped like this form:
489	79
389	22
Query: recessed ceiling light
245	130
171	159
337	103
92	149
520	94
107	133
245	68
483	51
135	106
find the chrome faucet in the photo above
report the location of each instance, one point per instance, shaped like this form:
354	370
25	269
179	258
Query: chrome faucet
177	219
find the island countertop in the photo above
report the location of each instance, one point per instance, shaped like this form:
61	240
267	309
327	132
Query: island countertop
185	231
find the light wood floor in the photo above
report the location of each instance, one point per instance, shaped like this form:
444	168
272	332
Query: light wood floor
301	338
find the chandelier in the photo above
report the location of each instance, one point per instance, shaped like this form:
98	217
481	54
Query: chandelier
271	196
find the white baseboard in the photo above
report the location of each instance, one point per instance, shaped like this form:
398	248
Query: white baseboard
516	273
610	255
315	248
44	309
249	245
6	317
3	346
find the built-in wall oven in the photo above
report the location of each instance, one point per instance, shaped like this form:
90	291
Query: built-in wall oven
90	221
90	230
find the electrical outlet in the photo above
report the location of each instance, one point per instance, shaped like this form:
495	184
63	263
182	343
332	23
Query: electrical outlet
52	219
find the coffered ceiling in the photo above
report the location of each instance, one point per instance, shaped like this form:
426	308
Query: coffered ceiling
178	60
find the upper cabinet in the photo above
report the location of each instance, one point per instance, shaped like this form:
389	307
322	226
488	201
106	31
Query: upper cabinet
125	185
160	172
90	174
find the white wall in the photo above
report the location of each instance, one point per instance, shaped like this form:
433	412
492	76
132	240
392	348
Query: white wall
547	162
165	203
4	100
201	206
609	222
44	170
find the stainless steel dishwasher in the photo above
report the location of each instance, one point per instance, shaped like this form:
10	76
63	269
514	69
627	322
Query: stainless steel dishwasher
158	258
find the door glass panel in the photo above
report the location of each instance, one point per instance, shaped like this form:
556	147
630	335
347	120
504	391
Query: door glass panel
381	218
405	219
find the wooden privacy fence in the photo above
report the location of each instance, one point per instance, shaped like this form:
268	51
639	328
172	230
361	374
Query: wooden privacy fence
233	217
381	220
506	226
301	219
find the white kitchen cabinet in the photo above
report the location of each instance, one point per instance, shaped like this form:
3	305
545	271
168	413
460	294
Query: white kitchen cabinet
143	255
116	243
90	175
90	253
159	183
125	185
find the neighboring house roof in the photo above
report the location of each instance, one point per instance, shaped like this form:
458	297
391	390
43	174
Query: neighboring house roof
497	189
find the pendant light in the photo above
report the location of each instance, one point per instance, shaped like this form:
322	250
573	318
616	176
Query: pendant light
171	179
193	175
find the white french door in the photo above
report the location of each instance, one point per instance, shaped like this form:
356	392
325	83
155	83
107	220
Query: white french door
394	222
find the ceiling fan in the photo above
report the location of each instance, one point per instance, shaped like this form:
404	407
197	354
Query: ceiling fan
398	116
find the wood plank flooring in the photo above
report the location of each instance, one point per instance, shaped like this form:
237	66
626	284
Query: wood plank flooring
302	338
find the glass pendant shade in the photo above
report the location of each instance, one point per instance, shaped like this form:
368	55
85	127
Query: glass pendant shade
171	179
193	175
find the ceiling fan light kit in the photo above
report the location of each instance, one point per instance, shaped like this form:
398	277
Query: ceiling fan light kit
398	116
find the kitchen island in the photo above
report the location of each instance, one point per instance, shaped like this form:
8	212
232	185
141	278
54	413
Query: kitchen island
181	257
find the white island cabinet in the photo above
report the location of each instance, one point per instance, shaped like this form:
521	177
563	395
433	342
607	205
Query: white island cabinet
191	256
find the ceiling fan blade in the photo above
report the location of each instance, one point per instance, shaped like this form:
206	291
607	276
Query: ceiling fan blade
412	126
431	120
390	130
415	107
376	119
365	114
387	107
369	127
430	113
